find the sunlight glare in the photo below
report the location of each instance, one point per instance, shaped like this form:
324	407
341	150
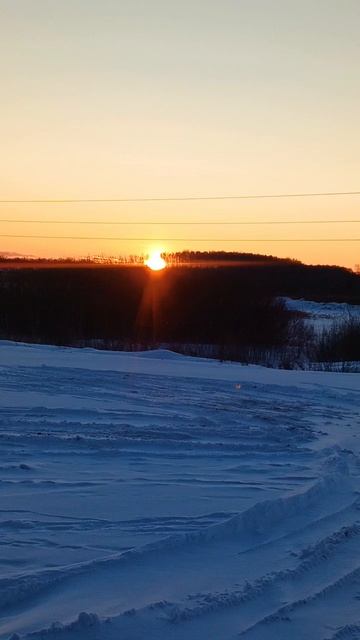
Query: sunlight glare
155	262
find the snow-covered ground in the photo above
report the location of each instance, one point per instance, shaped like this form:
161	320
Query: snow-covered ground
323	315
176	498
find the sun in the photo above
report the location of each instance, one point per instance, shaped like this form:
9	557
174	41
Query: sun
155	262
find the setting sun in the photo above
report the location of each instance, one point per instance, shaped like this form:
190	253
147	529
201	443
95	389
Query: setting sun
155	262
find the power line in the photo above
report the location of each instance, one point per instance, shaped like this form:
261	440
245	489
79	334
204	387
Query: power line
184	198
180	223
115	239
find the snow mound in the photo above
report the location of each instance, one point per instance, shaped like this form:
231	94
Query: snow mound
159	354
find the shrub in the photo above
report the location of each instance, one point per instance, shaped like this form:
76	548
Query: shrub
341	343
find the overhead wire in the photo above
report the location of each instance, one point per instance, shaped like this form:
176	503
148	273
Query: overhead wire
178	223
175	223
154	239
182	198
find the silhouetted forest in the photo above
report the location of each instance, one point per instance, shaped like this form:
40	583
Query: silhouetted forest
284	276
224	305
136	305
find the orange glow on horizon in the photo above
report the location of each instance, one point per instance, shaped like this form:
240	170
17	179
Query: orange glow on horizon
114	159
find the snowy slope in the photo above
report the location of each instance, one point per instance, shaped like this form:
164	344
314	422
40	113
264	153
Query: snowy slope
323	315
175	497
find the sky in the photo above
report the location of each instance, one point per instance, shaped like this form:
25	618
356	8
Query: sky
164	99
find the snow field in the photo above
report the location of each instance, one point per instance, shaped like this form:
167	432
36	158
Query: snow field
159	496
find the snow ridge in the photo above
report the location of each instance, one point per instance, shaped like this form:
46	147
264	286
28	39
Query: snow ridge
258	521
283	613
347	632
312	557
